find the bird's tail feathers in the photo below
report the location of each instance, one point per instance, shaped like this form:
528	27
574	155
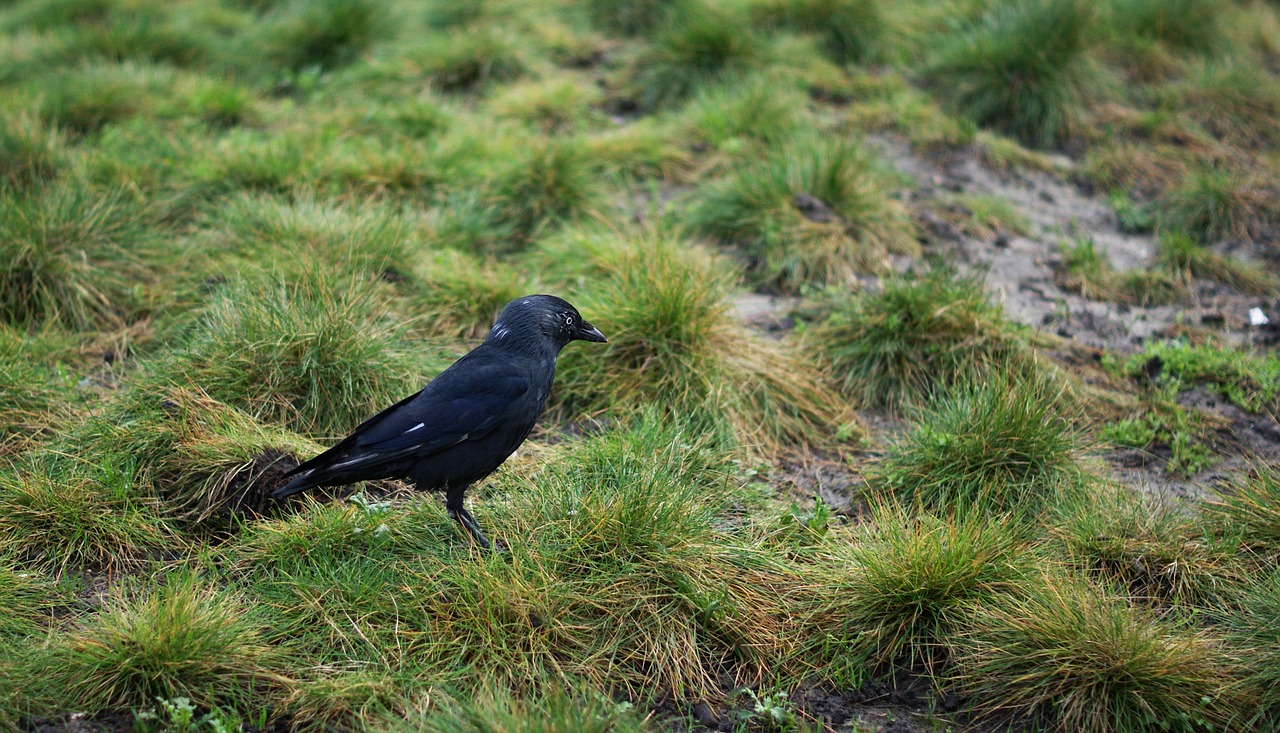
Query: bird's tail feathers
299	484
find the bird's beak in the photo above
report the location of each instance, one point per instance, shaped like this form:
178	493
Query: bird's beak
588	332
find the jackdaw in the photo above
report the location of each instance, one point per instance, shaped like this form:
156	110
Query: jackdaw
467	420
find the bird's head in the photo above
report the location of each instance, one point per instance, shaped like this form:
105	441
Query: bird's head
543	317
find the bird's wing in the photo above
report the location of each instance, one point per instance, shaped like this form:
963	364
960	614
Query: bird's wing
446	413
459	404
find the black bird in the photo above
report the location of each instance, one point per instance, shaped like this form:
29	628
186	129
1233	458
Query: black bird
467	420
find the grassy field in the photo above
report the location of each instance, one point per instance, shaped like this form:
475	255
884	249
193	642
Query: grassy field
932	400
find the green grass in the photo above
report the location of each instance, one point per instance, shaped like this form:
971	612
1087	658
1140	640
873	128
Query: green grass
916	337
665	304
64	515
1021	68
999	444
72	257
1147	547
1184	256
1246	511
1251	627
1213	204
1067	654
900	585
183	638
851	31
1086	270
698	45
318	355
808	210
231	231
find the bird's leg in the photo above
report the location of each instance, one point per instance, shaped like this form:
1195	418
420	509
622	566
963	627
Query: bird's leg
459	513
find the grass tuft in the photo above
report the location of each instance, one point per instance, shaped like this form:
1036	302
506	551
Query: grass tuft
181	639
1148	547
696	47
852	31
71	256
1184	256
65	515
318	355
31	153
1213	204
1246	511
1087	270
665	304
997	444
812	210
917	336
899	587
324	34
1075	658
1253	628
1021	69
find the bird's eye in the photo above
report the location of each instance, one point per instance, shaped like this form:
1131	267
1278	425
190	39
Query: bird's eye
568	320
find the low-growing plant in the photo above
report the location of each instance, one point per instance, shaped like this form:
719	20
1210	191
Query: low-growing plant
1183	255
1072	656
1252	628
634	17
1215	203
1002	443
1155	551
920	334
327	34
695	47
1087	270
1246	511
498	711
31	153
898	587
852	31
72	256
469	59
1021	69
64	515
1233	101
460	295
813	210
555	105
665	304
318	355
1249	380
196	459
758	108
180	639
1182	25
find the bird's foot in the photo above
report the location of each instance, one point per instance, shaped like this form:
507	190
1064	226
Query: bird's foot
468	522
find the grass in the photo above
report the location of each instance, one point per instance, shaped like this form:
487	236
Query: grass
903	582
72	257
665	304
999	444
180	639
1066	653
1247	512
813	210
1022	69
851	31
1147	547
319	355
1251	626
1086	270
918	336
697	46
1183	255
1214	204
64	515
231	231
